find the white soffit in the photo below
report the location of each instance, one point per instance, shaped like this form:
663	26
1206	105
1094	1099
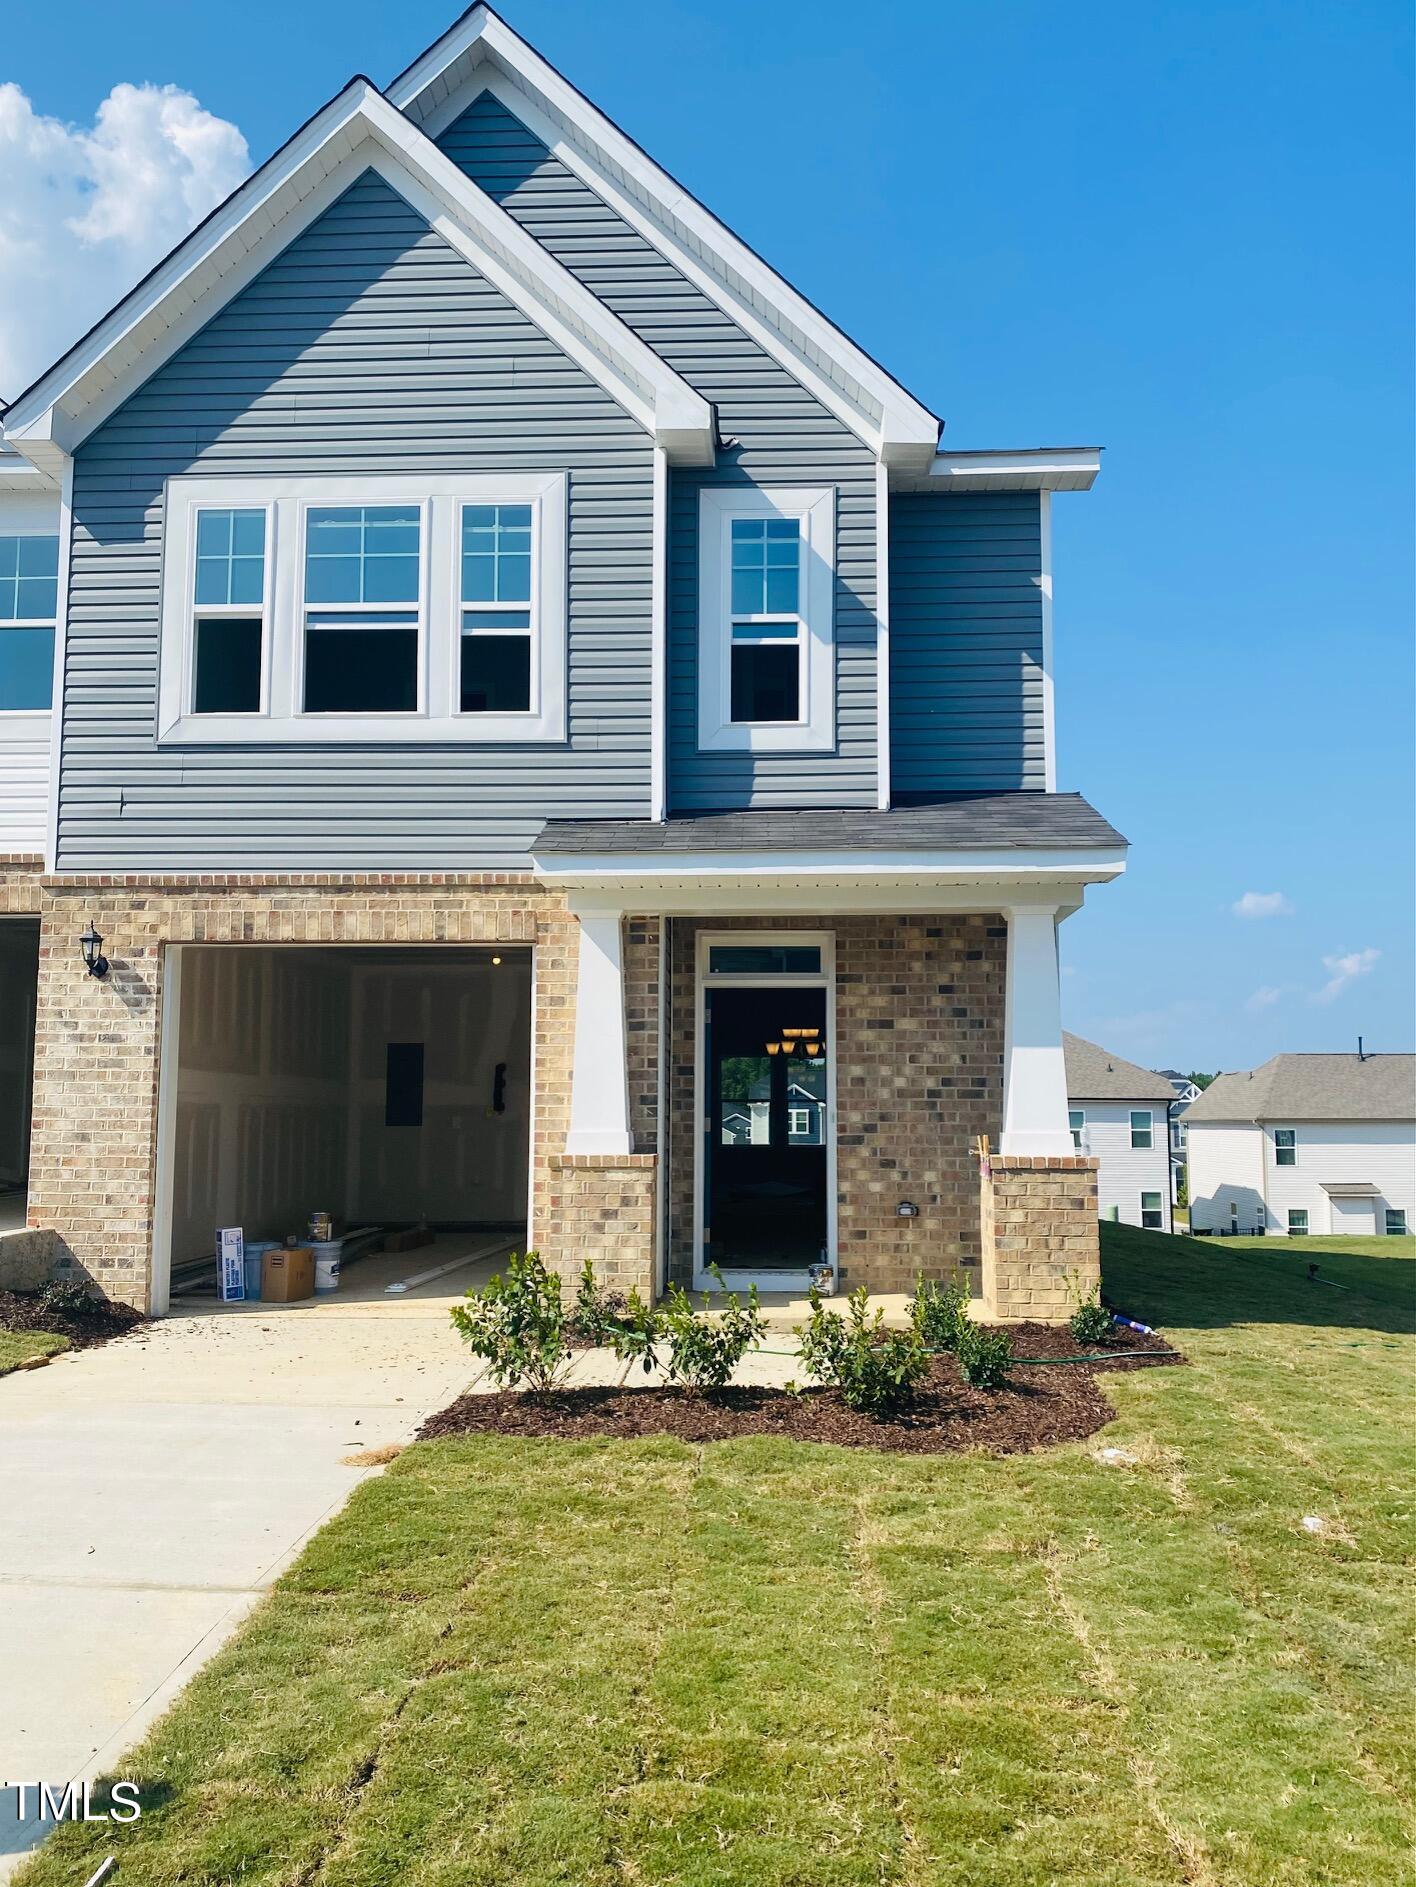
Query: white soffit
1030	468
357	130
482	53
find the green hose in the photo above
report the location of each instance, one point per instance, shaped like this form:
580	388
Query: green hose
1023	1362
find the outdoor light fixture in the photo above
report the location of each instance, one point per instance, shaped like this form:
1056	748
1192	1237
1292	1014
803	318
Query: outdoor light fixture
91	944
907	1209
807	1040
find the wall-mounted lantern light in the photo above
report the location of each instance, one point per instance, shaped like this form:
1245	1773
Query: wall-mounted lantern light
92	944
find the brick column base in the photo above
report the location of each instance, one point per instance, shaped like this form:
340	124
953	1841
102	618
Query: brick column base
1041	1244
601	1206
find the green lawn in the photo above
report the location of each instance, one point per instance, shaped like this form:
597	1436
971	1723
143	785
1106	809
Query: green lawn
18	1346
595	1664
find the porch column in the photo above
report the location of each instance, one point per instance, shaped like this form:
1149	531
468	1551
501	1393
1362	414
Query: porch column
1034	1074
599	1080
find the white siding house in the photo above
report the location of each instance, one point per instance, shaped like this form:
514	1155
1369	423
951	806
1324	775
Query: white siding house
1119	1114
1320	1144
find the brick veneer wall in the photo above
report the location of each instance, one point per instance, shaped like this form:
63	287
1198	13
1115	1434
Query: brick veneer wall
93	1143
919	1073
21	893
603	1206
1041	1241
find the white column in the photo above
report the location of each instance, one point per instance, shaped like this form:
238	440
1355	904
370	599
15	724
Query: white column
599	1078
1034	1073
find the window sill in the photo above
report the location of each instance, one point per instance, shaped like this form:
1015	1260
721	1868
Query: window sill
305	730
766	737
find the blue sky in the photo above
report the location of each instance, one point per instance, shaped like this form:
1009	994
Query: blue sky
1181	232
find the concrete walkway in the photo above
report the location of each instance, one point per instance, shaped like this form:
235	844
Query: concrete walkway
151	1490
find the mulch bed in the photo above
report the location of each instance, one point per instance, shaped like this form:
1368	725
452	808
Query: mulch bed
1038	1407
98	1322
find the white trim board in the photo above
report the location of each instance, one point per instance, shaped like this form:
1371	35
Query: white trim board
480	52
356	131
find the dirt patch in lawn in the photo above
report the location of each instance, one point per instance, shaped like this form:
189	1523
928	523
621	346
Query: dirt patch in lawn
97	1322
1039	1406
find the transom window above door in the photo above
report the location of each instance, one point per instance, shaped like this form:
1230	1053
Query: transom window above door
766	648
365	609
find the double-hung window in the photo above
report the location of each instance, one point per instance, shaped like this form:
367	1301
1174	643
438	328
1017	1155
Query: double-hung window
363	608
1152	1212
1077	1126
495	669
29	603
1285	1146
766	645
333	608
1395	1222
229	609
1142	1127
1297	1222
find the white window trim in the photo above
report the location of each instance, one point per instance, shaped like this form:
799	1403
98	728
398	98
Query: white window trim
797	1111
438	716
1149	1146
1158	1208
1285	1164
815	732
1078	1132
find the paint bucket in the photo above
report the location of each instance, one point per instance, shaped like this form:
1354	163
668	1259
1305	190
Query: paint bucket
254	1260
327	1255
321	1228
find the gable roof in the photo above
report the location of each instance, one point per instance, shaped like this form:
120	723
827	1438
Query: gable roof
480	52
1313	1087
357	130
1094	1074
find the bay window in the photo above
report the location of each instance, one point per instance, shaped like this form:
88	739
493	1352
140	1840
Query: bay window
335	608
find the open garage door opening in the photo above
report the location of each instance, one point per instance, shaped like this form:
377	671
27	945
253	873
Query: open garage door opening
389	1088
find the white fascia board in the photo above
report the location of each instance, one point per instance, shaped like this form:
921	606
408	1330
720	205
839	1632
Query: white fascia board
1046	468
359	130
481	51
20	477
1036	866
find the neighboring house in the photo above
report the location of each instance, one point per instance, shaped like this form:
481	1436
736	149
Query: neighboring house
1307	1144
1117	1113
515	653
1185	1091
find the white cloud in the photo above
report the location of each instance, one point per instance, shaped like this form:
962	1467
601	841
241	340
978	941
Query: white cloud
1342	969
85	212
1264	997
1262	904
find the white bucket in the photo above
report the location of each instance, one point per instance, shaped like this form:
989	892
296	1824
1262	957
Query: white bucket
327	1257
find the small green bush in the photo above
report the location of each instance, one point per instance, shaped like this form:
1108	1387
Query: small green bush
939	1313
1089	1323
985	1356
596	1309
878	1372
704	1347
518	1325
66	1297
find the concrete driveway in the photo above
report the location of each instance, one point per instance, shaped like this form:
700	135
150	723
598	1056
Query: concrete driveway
151	1491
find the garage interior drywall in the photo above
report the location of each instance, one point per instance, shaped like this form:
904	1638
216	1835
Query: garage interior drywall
382	1086
19	984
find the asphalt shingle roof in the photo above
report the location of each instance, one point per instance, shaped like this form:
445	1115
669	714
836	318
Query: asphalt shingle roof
1095	1075
1314	1087
960	822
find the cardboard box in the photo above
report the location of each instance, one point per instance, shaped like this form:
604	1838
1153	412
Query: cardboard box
288	1275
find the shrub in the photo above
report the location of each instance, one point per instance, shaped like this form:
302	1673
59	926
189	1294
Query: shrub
985	1356
518	1324
1089	1323
66	1297
878	1372
939	1313
597	1309
705	1347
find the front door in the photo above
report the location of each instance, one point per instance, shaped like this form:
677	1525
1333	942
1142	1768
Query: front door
766	1154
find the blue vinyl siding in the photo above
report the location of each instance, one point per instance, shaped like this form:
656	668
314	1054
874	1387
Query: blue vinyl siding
966	696
368	345
774	432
